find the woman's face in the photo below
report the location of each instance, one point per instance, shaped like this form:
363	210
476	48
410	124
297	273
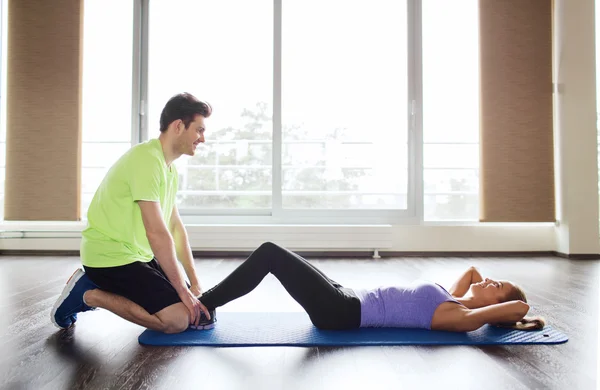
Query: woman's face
491	291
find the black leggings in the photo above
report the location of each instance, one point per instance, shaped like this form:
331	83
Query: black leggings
328	304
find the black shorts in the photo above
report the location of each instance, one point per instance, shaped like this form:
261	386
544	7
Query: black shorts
143	283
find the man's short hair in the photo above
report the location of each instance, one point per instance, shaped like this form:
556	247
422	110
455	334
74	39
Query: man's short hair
184	106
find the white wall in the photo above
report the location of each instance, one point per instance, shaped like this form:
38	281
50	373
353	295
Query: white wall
575	127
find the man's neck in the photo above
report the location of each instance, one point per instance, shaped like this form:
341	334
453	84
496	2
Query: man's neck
167	148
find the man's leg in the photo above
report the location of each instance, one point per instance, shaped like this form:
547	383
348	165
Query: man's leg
172	319
138	292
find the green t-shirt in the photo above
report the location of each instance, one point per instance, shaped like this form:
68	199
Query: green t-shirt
115	233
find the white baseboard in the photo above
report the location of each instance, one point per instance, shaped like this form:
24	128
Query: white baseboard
421	238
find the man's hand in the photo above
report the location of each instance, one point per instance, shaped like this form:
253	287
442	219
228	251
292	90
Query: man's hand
193	305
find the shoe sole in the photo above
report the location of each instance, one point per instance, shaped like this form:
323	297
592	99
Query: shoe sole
65	293
202	327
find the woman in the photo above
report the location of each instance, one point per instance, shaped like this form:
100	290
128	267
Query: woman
419	305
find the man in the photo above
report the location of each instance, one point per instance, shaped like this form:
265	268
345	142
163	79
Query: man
135	236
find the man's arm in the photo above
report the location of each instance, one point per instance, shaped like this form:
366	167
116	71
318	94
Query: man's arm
183	250
161	243
462	285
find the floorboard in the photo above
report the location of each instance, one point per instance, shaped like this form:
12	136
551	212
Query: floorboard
102	352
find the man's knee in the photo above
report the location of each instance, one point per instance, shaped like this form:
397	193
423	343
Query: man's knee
176	325
174	319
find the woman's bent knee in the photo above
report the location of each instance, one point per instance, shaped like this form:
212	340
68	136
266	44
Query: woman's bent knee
268	246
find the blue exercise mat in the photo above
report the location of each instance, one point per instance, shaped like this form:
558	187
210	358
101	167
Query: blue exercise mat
295	329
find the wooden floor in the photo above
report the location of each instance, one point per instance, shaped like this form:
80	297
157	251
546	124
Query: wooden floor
102	352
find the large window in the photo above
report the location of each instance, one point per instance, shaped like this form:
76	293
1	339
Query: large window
324	111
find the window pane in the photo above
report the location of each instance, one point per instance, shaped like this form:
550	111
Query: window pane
222	201
450	156
226	59
332	200
107	89
107	70
444	180
225	178
450	71
323	179
304	153
451	107
98	155
86	199
463	207
91	178
345	96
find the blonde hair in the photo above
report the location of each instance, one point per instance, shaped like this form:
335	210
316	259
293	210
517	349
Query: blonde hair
527	323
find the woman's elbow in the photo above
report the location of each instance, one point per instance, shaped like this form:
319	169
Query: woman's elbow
522	310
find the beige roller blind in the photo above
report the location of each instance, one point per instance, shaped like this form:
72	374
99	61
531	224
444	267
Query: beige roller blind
517	155
43	140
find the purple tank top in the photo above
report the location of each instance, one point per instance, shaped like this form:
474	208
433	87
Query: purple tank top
410	306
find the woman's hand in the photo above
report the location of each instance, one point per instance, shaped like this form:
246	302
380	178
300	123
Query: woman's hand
462	285
475	275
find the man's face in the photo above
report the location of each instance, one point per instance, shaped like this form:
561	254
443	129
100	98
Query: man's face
190	138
